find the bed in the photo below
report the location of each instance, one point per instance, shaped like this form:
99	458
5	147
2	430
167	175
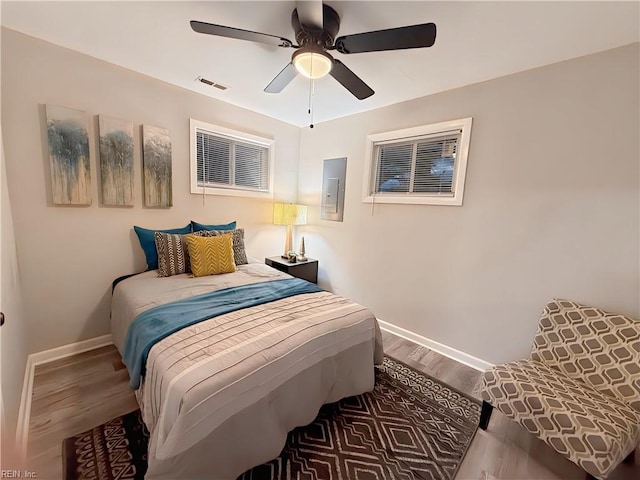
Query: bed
219	395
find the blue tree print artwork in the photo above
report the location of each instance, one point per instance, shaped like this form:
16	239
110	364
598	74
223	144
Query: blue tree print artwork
157	167
68	138
116	161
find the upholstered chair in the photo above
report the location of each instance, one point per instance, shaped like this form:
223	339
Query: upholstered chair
579	391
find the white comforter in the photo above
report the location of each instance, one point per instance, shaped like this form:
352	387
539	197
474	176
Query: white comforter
209	373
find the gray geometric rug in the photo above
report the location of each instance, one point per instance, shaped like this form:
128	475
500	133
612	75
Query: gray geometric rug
410	426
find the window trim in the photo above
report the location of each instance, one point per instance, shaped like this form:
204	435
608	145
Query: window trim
460	167
232	191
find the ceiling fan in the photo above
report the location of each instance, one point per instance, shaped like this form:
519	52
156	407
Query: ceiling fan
316	25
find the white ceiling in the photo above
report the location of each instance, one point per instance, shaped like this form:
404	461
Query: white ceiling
476	41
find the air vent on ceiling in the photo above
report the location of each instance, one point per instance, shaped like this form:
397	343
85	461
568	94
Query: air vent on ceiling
210	83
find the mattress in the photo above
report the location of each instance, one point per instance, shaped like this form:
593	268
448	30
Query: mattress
212	389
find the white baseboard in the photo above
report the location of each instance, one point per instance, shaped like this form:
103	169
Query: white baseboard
71	349
441	348
46	356
24	413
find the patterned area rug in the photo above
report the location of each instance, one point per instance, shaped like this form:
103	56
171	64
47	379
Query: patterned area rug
410	427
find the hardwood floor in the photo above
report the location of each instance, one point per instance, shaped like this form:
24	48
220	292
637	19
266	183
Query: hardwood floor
71	396
77	393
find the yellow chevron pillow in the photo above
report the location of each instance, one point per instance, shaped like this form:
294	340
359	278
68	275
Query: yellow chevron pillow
210	255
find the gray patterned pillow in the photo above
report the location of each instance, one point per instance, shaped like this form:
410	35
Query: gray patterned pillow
239	253
173	255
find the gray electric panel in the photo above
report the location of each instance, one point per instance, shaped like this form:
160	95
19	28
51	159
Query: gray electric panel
334	178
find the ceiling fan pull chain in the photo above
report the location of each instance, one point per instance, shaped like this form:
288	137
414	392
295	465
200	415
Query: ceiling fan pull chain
312	84
310	94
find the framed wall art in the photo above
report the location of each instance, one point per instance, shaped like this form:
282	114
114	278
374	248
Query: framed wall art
156	158
68	139
116	161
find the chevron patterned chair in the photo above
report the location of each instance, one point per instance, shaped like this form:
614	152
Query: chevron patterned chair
579	391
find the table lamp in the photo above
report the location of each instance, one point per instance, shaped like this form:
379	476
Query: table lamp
289	214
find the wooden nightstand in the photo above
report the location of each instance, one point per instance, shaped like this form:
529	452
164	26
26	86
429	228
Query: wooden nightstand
307	270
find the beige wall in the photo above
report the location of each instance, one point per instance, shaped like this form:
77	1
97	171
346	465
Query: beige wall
551	203
13	340
70	255
551	208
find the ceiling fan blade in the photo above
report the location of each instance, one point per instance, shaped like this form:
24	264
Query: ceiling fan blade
230	32
350	80
283	79
413	36
310	13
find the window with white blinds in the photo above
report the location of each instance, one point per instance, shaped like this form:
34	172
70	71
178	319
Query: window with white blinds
423	165
228	162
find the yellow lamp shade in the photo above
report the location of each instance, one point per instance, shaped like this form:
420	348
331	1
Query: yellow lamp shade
289	214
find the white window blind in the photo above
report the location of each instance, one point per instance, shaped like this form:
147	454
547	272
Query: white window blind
424	165
226	161
421	166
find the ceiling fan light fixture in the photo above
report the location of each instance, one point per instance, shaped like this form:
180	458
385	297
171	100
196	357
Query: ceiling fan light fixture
312	64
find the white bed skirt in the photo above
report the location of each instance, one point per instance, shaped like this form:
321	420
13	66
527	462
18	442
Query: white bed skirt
258	433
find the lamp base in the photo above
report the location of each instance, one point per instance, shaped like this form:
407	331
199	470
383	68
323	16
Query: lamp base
288	243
